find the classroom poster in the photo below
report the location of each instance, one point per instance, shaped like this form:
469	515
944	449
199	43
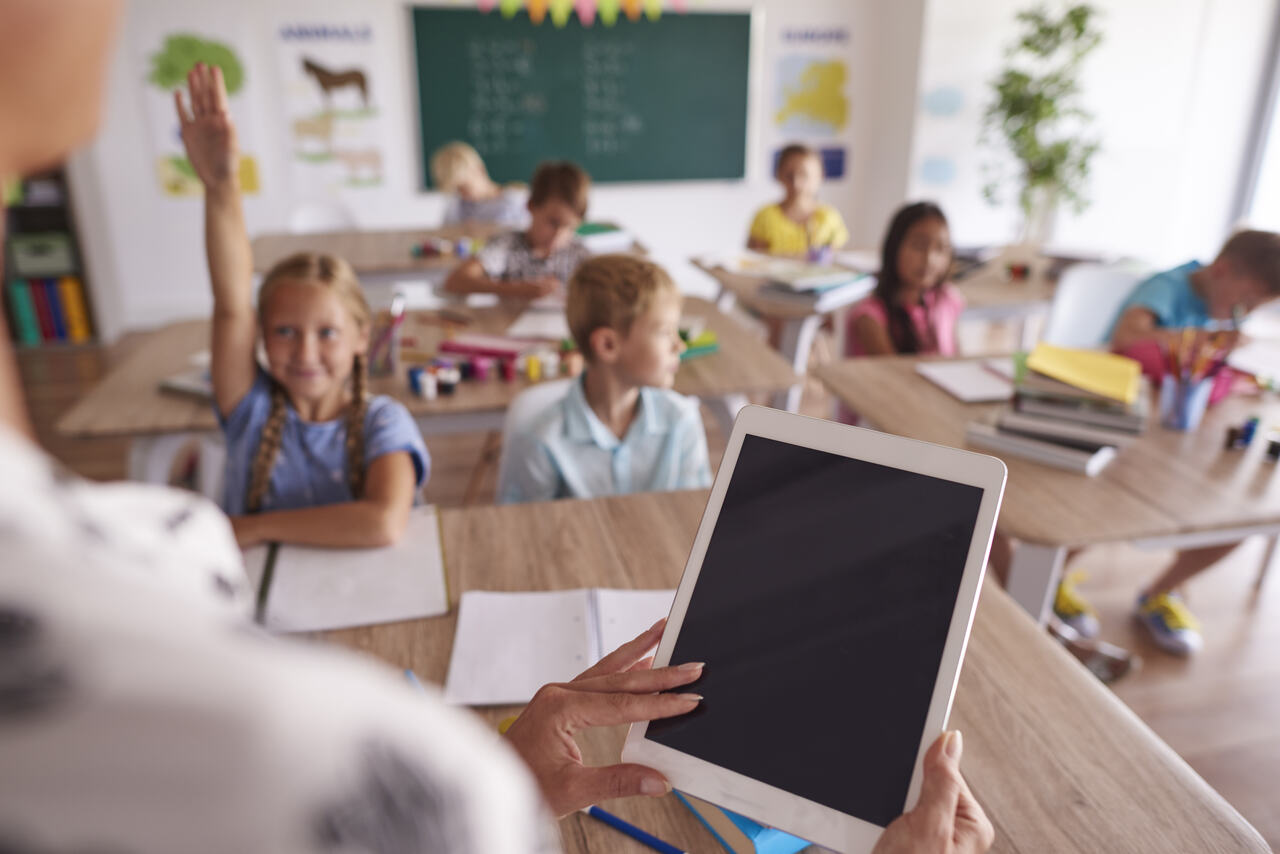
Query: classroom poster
810	101
331	95
170	41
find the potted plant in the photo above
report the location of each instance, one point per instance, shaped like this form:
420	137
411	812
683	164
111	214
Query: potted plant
1036	117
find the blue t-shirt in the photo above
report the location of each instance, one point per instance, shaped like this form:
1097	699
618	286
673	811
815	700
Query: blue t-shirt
311	468
1170	297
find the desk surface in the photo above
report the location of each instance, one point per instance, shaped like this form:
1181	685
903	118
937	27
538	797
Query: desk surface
1167	483
1058	762
369	251
128	401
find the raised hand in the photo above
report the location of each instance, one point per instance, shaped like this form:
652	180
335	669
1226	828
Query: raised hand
620	688
207	130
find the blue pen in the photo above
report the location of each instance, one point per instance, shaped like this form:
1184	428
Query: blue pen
413	679
631	830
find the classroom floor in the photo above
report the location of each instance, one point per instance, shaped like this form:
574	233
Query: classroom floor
1217	710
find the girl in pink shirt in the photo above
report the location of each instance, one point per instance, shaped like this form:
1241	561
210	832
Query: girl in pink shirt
914	309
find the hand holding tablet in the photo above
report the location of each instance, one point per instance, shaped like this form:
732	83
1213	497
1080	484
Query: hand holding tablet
830	589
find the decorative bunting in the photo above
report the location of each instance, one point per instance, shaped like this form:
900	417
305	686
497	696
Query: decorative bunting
560	11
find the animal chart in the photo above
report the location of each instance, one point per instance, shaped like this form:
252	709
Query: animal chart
331	99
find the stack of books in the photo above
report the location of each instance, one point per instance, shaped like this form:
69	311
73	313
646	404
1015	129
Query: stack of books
1072	409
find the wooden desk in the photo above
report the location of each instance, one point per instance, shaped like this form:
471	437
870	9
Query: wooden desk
1167	490
1057	761
375	255
128	402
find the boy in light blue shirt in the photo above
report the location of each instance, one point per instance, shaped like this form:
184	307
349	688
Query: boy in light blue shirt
620	428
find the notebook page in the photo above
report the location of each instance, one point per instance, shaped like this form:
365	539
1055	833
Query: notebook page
316	589
621	615
508	645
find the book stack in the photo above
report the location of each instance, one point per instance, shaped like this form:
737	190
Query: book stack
1072	409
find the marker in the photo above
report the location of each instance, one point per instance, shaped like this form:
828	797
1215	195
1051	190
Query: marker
631	830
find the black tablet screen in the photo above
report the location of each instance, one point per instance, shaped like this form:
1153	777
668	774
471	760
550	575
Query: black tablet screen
821	610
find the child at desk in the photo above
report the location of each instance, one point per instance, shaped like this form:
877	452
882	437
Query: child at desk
1245	275
914	308
456	168
799	224
620	428
538	261
311	457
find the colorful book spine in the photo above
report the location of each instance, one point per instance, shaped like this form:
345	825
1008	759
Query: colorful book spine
23	312
41	301
75	309
56	314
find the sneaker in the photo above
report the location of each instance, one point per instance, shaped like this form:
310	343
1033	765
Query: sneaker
1072	608
1172	626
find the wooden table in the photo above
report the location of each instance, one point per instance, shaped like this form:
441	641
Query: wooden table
1057	761
128	401
1167	490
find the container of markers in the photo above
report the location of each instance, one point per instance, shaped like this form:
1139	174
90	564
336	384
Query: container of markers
1183	400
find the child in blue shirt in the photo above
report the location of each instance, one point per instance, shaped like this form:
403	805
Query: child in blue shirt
1245	275
311	457
620	428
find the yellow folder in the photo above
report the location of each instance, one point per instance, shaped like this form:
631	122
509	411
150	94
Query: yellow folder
1105	374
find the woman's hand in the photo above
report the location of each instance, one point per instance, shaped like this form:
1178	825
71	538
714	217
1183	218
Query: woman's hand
948	819
621	688
207	130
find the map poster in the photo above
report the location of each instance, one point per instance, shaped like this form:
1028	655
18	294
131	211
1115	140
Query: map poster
810	99
332	109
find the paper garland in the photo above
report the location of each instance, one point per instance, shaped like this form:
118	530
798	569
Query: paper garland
588	10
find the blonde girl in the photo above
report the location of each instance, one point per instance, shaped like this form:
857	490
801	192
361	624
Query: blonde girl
311	457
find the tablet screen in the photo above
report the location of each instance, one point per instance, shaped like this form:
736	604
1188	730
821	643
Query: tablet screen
822	609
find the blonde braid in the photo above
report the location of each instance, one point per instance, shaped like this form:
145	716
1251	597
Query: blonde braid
355	427
268	449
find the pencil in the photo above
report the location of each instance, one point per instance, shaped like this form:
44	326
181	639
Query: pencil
631	830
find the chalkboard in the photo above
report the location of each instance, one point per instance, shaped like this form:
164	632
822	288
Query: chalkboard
637	101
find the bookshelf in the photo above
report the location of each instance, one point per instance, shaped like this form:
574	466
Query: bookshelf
45	297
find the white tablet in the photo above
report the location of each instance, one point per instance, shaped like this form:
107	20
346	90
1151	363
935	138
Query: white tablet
830	591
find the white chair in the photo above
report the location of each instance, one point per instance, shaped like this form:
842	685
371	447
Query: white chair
319	217
1085	304
526	406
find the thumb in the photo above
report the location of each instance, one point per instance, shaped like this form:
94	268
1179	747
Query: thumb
940	789
591	785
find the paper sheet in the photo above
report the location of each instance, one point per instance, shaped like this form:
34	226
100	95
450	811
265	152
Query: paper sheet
969	381
508	645
317	589
540	324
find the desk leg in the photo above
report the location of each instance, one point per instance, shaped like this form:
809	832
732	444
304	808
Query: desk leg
725	409
1033	577
795	346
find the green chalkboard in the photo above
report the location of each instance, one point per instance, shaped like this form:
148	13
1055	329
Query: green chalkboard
637	101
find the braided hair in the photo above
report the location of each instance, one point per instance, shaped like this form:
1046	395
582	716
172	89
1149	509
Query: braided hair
335	273
902	331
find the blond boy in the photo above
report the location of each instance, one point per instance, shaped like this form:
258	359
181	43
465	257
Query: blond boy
620	428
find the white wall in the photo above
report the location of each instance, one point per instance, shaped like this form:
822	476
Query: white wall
144	250
1173	88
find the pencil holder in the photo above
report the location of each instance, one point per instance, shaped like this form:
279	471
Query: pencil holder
1182	403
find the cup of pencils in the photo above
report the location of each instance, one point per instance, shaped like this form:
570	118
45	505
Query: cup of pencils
1194	362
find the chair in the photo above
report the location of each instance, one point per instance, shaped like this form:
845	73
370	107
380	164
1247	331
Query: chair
1085	304
526	406
319	217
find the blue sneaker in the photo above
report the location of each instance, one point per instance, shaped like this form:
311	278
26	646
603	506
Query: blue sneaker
1172	626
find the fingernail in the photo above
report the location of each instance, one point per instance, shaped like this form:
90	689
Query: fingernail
693	666
652	786
955	743
696	698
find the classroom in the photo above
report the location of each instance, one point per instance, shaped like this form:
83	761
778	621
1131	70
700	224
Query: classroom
373	376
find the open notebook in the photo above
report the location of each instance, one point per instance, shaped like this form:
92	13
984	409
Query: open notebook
304	589
508	645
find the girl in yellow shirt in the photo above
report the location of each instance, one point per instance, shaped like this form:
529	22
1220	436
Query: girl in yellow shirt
799	225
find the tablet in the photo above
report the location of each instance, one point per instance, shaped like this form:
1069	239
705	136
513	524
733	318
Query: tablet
830	591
